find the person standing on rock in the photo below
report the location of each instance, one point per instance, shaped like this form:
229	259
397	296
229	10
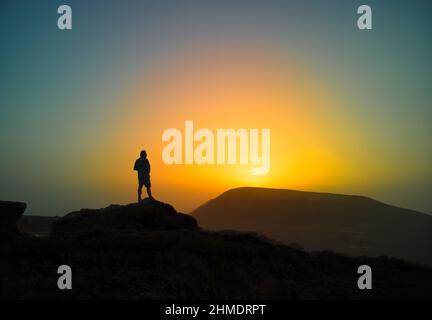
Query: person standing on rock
142	166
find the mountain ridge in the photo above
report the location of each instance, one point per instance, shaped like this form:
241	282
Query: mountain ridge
349	224
307	192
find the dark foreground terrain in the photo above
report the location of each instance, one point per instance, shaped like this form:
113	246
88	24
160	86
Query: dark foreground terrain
37	225
149	251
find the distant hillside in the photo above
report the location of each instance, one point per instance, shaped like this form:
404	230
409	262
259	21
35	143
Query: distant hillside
150	251
354	225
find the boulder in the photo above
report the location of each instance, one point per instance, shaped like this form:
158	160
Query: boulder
149	215
10	214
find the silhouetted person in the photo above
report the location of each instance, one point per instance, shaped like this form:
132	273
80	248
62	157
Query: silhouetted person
142	165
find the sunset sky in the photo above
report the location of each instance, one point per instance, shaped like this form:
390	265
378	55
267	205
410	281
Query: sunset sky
349	111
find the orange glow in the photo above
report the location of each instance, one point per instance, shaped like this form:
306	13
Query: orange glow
224	88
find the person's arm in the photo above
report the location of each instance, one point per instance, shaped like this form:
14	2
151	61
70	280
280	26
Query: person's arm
136	165
148	166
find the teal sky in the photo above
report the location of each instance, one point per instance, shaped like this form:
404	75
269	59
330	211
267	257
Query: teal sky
58	88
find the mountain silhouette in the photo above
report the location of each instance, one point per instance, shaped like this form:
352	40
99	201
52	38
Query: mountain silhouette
151	251
354	225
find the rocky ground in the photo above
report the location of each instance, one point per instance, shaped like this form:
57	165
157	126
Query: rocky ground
150	251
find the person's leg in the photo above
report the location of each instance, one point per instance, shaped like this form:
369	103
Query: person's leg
147	184
140	185
149	192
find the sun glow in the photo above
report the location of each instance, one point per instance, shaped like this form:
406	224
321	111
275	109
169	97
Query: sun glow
226	88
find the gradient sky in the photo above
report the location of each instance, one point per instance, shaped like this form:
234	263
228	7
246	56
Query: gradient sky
349	110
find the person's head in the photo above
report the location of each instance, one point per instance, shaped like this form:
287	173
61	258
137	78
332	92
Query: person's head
143	154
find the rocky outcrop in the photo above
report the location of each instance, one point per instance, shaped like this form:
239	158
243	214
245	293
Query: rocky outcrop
145	216
10	215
